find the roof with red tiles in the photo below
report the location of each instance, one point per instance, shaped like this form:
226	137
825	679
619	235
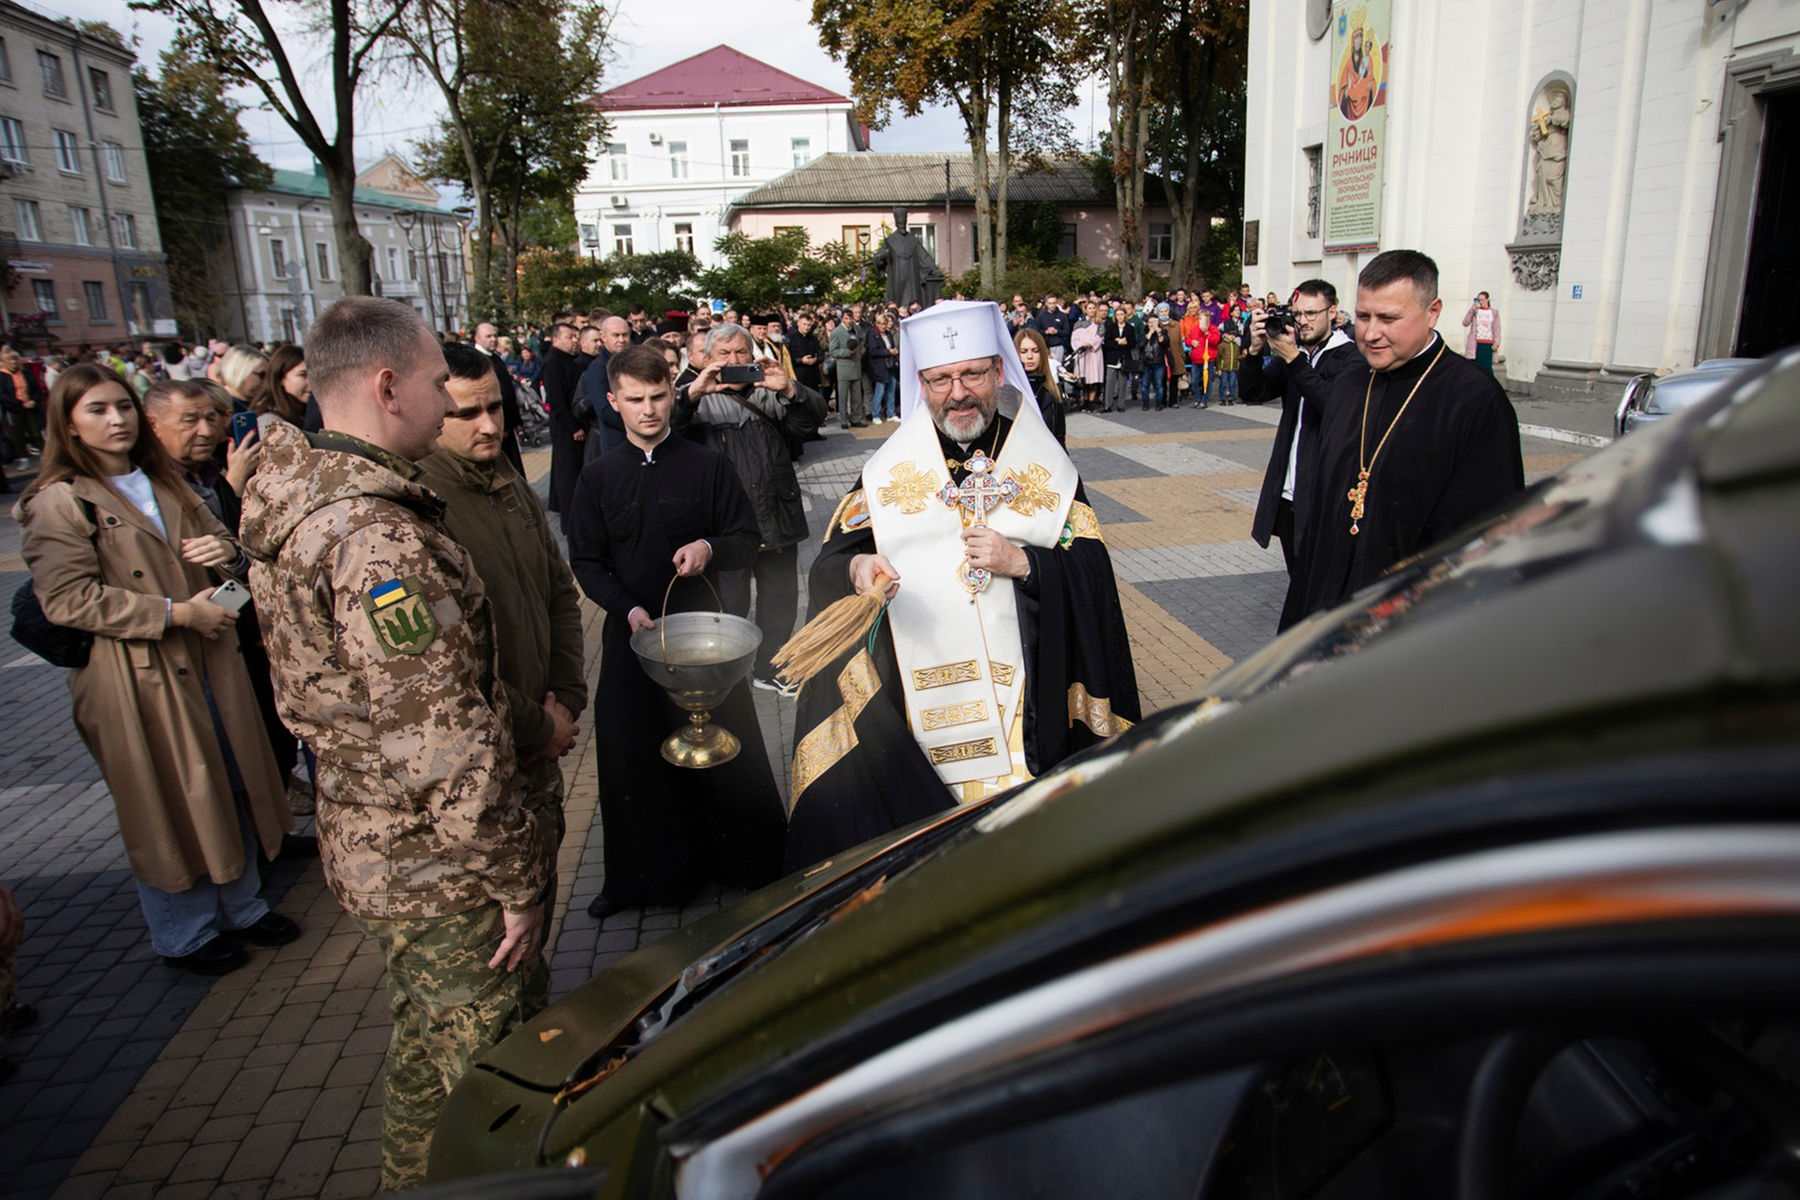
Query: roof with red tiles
721	76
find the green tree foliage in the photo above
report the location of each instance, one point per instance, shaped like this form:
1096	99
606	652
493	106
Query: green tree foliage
1007	66
1034	233
519	128
1175	73
556	278
196	147
239	39
762	272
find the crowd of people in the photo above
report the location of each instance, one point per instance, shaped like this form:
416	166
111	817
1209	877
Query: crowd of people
321	574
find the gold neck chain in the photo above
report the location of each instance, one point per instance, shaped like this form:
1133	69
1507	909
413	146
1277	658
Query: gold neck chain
957	464
1360	492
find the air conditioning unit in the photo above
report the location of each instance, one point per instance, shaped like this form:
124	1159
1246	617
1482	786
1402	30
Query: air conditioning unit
656	139
621	202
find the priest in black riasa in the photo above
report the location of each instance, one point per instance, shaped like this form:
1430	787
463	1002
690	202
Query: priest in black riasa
1415	442
1003	648
650	510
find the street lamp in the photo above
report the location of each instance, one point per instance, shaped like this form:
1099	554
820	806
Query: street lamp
409	221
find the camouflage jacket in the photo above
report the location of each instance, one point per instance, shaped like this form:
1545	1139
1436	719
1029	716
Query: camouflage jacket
381	643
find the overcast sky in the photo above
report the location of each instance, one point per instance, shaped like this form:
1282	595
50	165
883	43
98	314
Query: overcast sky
391	116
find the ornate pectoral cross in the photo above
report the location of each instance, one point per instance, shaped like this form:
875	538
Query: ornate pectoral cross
1355	496
974	498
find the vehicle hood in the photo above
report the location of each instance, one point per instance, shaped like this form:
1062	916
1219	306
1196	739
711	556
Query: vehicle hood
1479	647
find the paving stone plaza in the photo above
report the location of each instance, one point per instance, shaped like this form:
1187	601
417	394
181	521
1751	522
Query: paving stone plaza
139	1080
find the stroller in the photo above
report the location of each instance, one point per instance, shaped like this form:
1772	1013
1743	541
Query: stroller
534	418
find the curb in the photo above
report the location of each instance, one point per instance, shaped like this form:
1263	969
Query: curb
1550	434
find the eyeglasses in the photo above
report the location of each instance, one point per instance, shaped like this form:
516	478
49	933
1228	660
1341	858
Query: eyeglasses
1317	312
939	385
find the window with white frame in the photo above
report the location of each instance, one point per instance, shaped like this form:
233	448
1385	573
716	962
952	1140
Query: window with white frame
857	238
622	240
114	155
100	83
43	294
140	306
617	161
290	327
678	160
12	141
322	256
26	213
802	151
125	227
1162	242
51	68
81	225
740	158
684	236
68	152
278	257
95	295
393	259
927	237
412	267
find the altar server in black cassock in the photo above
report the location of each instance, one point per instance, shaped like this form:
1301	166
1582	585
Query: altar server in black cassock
648	510
1437	436
861	768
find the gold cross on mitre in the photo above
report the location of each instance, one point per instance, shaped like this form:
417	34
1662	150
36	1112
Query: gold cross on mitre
974	498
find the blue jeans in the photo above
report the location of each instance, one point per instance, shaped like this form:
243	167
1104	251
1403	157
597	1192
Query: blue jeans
886	402
1150	388
1228	385
1201	380
182	922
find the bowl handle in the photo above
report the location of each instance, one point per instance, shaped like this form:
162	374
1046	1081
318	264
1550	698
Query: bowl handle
662	628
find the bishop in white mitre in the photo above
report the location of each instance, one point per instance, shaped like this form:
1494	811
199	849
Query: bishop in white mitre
1003	648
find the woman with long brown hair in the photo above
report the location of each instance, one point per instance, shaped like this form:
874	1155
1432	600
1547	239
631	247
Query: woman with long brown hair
1034	356
121	548
284	386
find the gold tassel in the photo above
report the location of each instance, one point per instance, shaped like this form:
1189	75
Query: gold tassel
824	638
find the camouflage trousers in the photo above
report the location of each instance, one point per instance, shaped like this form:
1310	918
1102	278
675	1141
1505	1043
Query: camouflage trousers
447	1006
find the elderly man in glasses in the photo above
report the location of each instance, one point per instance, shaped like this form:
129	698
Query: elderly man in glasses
1003	647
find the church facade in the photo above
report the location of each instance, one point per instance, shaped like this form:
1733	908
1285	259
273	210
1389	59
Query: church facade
1610	171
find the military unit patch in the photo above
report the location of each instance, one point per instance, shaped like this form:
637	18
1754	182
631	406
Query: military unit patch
401	616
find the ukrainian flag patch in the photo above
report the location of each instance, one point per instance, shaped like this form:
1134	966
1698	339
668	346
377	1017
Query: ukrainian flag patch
400	616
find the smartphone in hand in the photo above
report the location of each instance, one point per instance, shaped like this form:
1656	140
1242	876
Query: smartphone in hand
232	595
243	424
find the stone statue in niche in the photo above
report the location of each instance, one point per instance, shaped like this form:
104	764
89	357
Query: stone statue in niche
1550	117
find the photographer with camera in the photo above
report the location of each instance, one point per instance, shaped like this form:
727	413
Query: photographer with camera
1309	352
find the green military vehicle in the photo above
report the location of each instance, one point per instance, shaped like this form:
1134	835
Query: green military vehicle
1483	885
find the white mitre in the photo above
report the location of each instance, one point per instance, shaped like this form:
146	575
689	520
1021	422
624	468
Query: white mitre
956	331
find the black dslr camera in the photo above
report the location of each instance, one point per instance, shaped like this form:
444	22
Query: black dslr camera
1278	319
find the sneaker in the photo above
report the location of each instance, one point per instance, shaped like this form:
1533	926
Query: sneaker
23	464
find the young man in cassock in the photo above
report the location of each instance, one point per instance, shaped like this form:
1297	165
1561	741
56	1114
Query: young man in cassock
1415	442
1003	648
654	509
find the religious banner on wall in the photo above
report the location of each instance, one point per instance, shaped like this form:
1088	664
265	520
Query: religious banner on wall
1356	129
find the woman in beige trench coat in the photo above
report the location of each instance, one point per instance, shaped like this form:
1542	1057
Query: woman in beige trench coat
120	547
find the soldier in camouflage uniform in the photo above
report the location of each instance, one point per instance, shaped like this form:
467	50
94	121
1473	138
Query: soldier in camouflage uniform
381	641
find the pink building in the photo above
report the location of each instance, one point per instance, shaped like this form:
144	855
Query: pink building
851	198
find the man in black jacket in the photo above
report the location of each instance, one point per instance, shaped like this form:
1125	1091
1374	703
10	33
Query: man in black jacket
1304	363
560	375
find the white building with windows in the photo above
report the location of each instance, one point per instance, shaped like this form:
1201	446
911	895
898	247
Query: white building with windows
280	268
685	142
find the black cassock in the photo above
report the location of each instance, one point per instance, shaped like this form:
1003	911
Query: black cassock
1072	632
668	829
559	375
1452	458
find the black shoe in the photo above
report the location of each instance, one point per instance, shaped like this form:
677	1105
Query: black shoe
272	929
297	847
18	1017
603	906
217	957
